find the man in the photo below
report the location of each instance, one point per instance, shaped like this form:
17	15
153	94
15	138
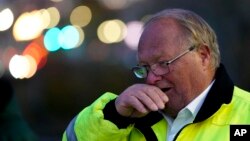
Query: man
187	95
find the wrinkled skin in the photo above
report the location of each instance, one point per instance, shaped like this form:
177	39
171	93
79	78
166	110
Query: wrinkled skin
161	40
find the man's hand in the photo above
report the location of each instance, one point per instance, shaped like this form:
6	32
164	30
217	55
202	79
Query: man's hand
140	99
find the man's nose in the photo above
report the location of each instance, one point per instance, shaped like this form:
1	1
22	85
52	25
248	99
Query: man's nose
152	78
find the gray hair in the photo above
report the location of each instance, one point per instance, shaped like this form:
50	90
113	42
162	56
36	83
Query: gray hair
198	30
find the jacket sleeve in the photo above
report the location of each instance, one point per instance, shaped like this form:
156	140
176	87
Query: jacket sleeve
91	124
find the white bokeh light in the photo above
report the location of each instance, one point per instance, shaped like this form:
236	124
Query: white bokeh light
8	17
19	66
134	30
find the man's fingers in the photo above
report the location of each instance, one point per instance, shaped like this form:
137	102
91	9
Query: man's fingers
138	105
147	101
140	99
157	96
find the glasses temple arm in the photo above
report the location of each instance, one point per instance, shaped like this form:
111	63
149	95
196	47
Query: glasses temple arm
189	49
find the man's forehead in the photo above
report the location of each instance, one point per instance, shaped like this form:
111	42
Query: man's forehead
158	52
153	54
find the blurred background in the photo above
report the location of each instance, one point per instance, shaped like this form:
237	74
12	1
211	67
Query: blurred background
60	55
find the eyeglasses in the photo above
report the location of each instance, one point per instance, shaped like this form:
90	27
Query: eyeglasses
159	68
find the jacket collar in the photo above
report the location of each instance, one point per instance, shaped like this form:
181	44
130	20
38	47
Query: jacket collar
220	93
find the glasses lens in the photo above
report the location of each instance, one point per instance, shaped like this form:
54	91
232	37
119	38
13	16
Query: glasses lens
140	71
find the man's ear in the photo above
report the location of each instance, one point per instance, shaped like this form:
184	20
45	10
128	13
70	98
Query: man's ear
205	54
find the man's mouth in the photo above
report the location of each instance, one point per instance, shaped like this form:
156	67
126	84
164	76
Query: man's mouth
165	89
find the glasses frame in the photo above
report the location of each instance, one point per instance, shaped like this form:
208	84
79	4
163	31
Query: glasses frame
141	71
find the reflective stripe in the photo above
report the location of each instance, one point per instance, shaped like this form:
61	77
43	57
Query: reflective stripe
70	132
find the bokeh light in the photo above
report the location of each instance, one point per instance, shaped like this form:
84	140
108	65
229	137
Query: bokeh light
51	39
81	16
44	15
56	0
7	19
19	66
111	31
30	25
69	37
134	31
115	4
81	35
32	66
37	51
54	17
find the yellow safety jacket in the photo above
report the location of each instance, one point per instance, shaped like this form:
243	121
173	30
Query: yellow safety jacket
224	105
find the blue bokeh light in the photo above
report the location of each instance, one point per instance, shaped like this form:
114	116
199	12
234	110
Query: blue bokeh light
69	37
51	41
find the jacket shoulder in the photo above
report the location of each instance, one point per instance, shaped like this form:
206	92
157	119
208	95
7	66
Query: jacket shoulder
242	95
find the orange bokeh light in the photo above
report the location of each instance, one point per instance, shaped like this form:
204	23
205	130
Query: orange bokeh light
37	50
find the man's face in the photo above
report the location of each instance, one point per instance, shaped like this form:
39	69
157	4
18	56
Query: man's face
162	41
